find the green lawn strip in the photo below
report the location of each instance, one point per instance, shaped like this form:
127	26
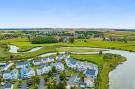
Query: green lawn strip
43	50
15	85
25	48
4	54
75	49
104	67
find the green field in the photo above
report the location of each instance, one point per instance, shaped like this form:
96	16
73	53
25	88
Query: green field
105	66
25	45
127	34
76	49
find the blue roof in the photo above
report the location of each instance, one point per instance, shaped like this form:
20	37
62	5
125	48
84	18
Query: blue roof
23	63
90	72
72	61
7	85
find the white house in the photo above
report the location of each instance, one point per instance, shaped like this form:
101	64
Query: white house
59	66
89	82
27	72
48	60
39	71
60	57
46	69
11	75
22	64
91	73
37	62
71	63
8	86
2	64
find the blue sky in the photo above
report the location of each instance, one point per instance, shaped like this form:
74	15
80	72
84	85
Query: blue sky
67	13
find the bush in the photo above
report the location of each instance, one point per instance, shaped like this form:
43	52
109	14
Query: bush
107	56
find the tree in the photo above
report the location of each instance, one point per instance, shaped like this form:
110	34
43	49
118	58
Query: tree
43	39
62	76
81	76
85	40
125	40
71	40
54	69
100	52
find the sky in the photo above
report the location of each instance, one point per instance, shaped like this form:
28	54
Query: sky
67	14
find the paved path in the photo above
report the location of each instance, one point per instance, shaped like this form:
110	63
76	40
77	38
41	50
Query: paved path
41	84
24	85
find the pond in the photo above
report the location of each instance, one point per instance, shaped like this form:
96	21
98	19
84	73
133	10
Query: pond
13	49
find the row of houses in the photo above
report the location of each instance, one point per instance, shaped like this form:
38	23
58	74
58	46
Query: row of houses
24	70
42	61
14	74
47	68
11	75
90	71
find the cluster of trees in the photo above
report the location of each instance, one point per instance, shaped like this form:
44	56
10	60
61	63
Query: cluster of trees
43	39
122	39
33	81
88	34
109	56
51	81
9	35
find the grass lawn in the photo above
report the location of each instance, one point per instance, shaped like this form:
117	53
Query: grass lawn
18	56
120	34
15	85
4	54
24	44
105	66
75	49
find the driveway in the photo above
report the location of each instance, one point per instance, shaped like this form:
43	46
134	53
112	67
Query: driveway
41	84
24	85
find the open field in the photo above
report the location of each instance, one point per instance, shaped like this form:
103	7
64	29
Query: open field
77	49
119	33
105	66
25	45
4	54
18	56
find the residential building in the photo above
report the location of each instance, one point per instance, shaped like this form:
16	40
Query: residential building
8	86
89	82
27	72
71	63
59	66
3	64
22	64
11	75
90	73
48	60
37	62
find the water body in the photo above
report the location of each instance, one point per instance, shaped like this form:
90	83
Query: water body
123	77
13	49
34	49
